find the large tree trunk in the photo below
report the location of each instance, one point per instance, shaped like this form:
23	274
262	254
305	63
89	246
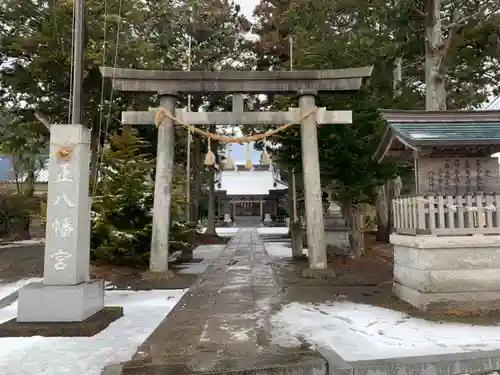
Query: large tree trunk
394	192
29	183
383	202
355	219
435	93
297	240
289	203
397	186
397	77
29	192
382	210
383	205
385	194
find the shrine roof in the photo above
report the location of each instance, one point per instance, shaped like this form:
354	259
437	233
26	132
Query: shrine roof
415	130
249	182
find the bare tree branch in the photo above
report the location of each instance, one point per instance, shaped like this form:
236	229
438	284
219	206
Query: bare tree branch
460	22
43	119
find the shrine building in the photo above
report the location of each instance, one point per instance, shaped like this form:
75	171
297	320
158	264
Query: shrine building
250	195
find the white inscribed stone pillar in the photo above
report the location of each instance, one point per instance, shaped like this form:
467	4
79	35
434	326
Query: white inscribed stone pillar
163	187
312	184
68	209
66	293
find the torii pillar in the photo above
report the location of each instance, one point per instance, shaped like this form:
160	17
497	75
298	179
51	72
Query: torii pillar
304	83
316	243
158	260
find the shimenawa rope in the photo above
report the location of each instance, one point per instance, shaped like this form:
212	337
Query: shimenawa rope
210	157
163	113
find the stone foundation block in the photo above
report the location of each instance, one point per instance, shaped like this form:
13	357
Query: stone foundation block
60	303
471	302
86	328
448	272
338	239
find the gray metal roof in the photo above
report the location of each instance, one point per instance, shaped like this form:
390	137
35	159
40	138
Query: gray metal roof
418	117
414	130
421	134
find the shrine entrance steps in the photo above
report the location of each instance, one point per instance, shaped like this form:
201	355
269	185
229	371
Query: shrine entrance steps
221	324
247	221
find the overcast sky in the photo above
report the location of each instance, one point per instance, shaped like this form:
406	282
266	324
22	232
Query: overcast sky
247	6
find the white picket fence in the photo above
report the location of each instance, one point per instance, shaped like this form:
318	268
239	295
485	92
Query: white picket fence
448	215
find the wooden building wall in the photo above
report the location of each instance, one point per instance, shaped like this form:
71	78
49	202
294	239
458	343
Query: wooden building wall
458	175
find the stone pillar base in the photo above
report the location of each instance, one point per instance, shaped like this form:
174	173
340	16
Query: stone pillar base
39	303
448	273
471	302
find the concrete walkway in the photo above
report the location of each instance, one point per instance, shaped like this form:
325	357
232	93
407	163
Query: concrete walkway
220	325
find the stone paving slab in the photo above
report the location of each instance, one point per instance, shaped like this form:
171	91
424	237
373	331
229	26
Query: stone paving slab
220	325
283	364
442	364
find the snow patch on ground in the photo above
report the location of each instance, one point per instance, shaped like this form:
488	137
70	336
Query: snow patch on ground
230	231
241	335
9	288
273	230
143	312
280	250
239	268
232	288
362	332
22	243
223	232
264	306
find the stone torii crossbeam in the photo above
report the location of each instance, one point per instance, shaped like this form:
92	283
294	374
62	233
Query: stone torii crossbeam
306	84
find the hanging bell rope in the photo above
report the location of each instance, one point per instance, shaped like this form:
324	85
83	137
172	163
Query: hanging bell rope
209	157
162	114
228	163
265	158
248	161
266	154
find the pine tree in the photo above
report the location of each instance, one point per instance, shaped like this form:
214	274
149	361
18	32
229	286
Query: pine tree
121	211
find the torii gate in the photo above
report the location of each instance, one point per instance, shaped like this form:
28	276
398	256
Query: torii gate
168	84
